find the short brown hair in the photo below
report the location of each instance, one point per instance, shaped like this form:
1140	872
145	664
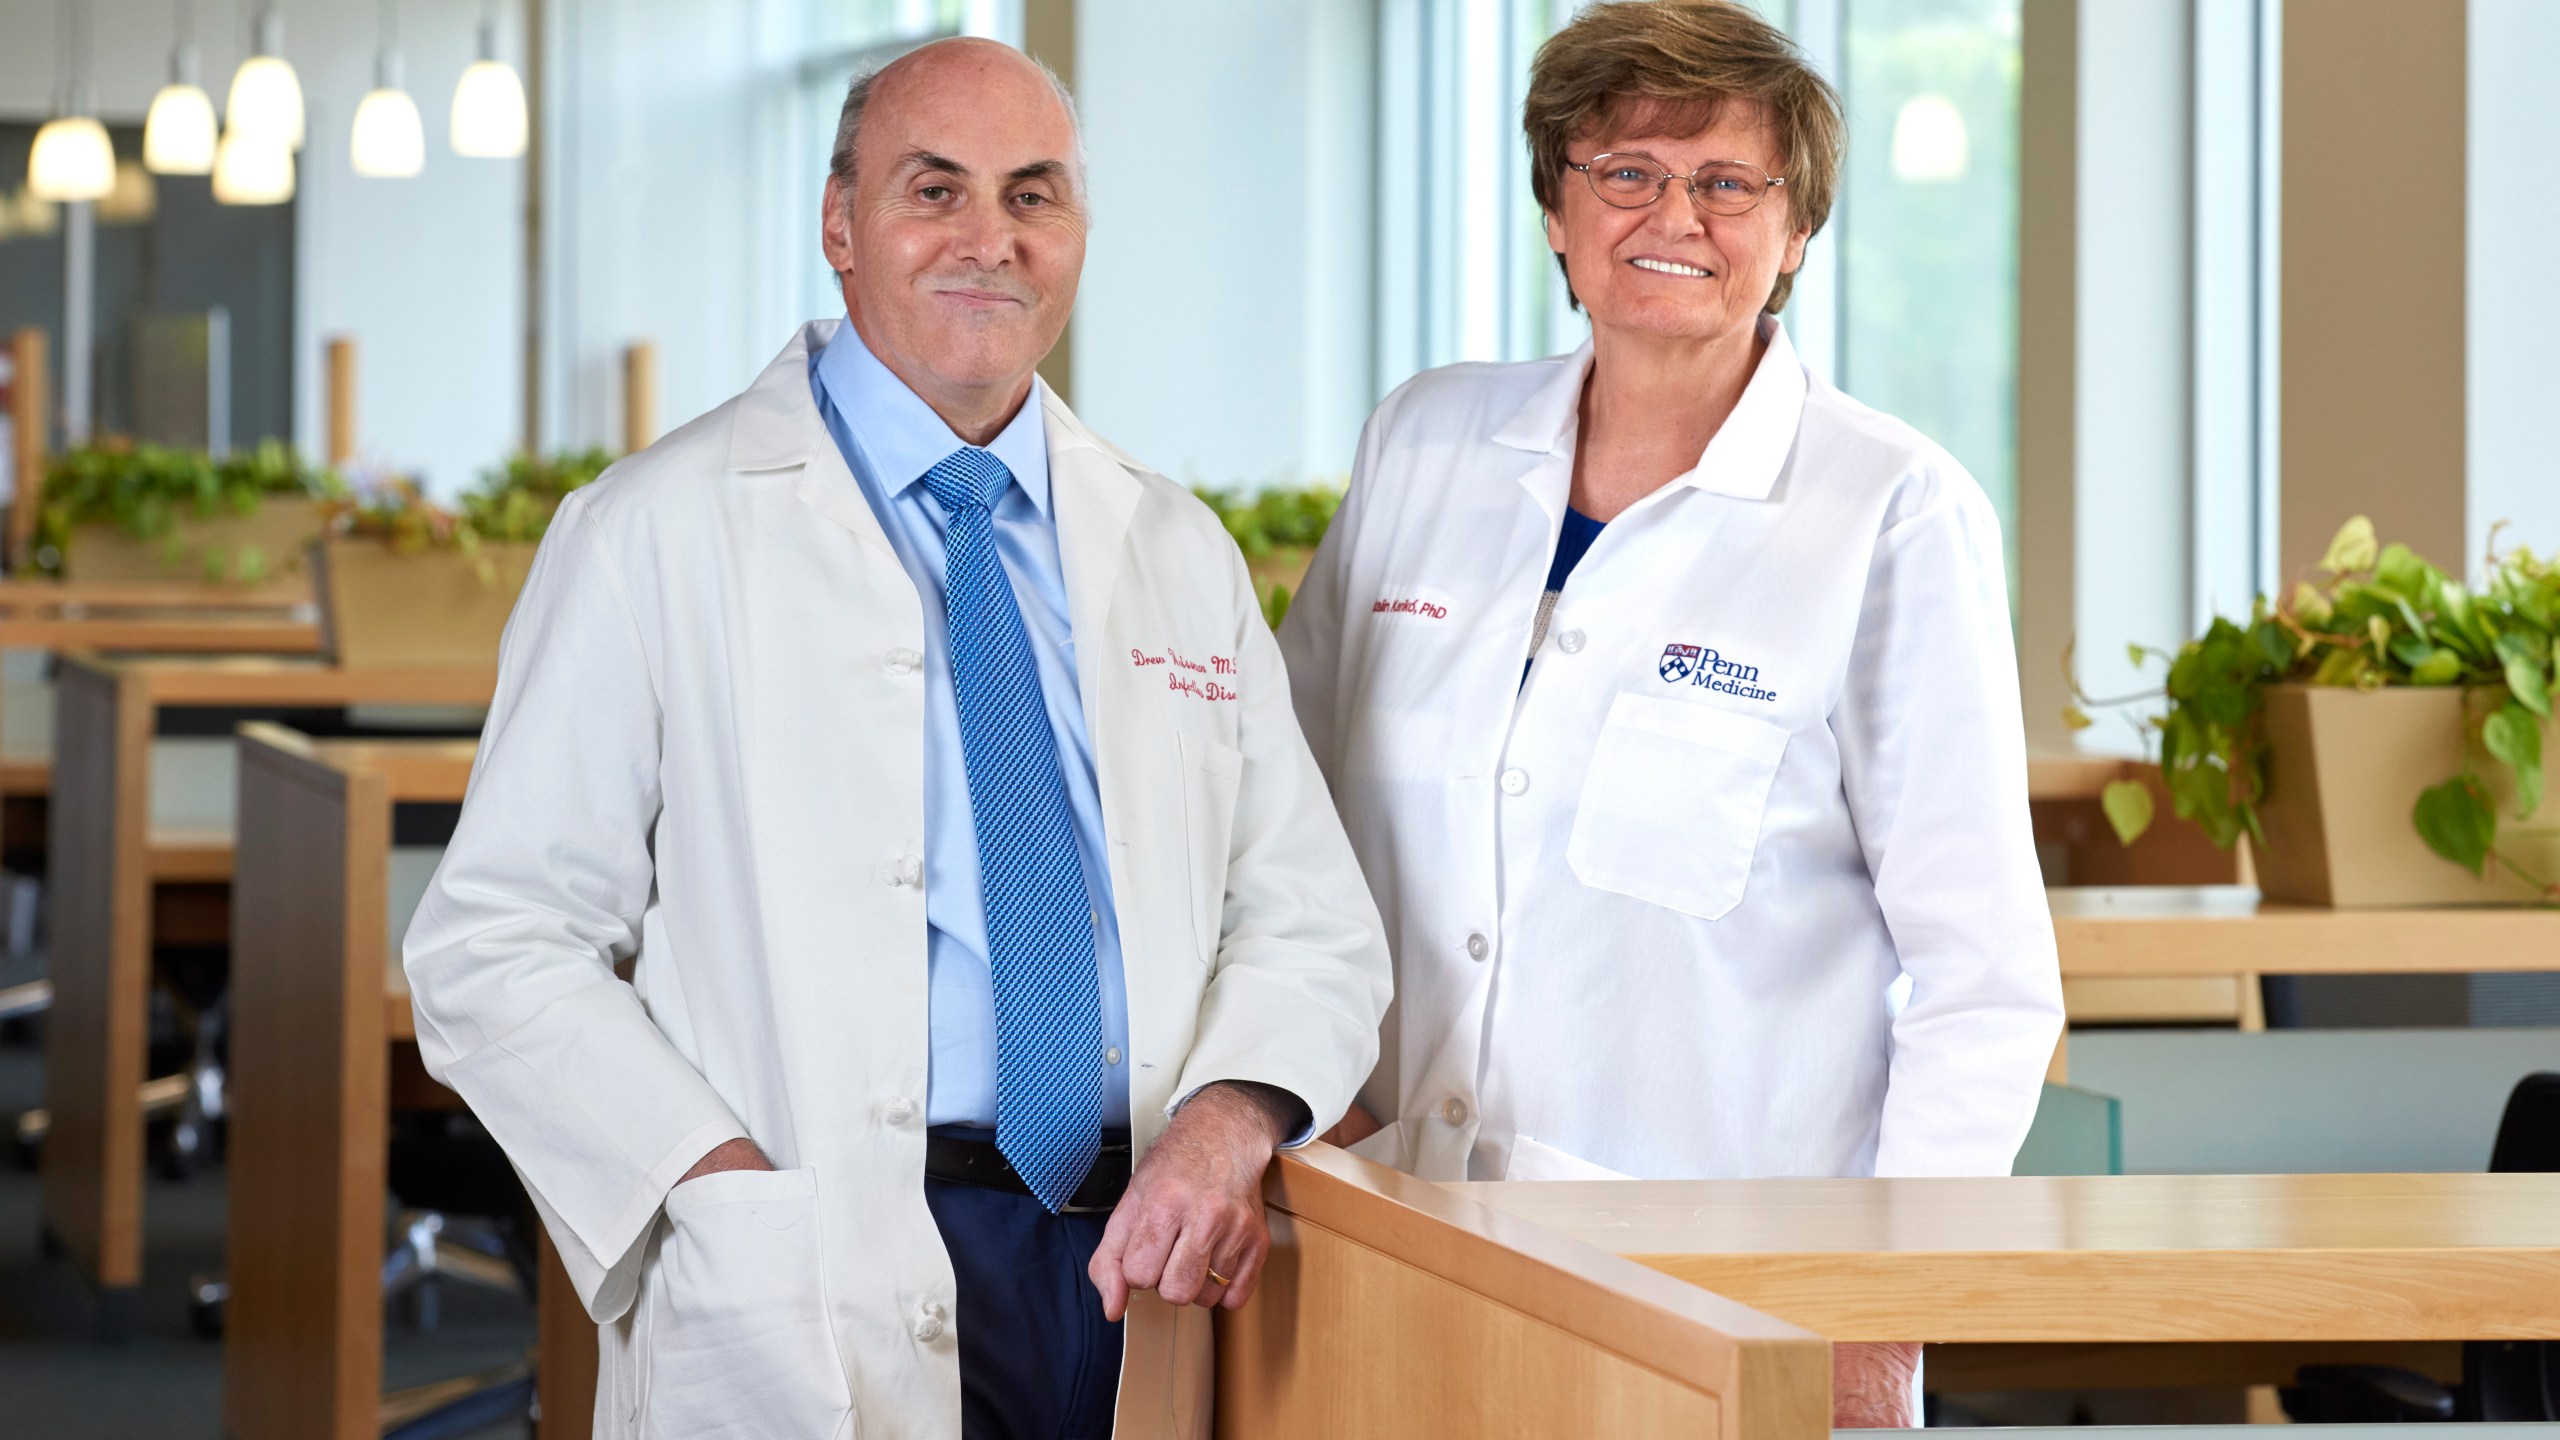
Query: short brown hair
1675	64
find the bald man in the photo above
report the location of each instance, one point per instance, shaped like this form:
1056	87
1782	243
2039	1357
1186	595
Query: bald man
926	766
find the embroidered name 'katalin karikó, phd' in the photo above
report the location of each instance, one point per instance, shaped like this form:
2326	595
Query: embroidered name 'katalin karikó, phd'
1703	667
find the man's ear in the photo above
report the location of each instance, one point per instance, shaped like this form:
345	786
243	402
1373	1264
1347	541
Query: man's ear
835	226
1555	232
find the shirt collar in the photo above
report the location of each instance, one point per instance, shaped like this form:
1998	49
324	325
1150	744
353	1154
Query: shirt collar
1744	457
899	435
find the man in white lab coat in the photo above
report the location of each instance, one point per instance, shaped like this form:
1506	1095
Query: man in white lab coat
928	768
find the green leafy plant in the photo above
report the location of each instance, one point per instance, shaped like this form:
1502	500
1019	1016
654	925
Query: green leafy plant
511	505
514	503
1277	529
2381	616
147	490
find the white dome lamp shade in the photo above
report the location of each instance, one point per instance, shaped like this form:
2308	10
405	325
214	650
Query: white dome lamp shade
488	104
266	96
179	136
250	168
71	161
390	142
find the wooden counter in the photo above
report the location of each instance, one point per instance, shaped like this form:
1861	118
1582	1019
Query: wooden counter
2094	1259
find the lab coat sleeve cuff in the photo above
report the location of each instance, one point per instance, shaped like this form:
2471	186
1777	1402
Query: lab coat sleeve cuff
1306	1133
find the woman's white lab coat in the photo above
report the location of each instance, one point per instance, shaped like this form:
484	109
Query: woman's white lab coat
1740	882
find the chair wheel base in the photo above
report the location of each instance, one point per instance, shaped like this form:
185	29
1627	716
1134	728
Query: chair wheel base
115	1315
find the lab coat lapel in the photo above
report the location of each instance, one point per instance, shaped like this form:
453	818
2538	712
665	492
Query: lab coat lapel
1094	497
777	427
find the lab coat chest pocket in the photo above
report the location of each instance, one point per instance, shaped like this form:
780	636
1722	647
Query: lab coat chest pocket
738	1340
1671	809
1211	772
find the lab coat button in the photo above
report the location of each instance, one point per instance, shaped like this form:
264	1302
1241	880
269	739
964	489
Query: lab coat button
902	661
1570	642
1455	1112
905	870
929	1320
1478	947
899	1110
1515	781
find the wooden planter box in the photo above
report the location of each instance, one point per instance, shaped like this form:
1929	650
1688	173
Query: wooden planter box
433	608
278	531
2346	770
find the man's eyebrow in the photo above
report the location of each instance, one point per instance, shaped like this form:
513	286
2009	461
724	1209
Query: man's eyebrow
915	160
1039	170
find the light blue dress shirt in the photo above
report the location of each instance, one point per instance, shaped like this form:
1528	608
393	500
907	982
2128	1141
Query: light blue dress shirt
890	437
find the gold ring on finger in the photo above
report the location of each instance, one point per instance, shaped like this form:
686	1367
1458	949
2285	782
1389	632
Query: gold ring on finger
1221	1281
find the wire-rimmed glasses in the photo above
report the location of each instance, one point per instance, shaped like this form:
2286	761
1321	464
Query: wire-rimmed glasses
1720	187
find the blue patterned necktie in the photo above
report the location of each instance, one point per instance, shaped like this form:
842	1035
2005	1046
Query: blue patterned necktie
1039	918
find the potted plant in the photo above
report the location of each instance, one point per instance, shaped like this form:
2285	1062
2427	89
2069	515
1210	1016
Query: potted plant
120	511
404	581
2379	736
1277	529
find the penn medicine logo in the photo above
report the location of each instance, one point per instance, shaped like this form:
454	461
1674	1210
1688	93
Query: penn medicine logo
1703	667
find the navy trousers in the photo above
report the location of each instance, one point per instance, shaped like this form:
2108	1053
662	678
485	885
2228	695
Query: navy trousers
1037	1360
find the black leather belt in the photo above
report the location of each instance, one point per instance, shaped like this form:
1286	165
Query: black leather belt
966	1159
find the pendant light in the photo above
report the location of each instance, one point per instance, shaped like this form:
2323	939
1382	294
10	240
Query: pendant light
179	136
390	142
488	102
250	168
266	97
72	160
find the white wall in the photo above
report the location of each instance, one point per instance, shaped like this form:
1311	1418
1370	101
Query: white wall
424	273
2512	323
1223	330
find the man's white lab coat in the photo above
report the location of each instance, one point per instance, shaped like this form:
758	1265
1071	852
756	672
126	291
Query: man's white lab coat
705	764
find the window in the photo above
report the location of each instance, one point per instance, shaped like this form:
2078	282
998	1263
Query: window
1927	224
1464	271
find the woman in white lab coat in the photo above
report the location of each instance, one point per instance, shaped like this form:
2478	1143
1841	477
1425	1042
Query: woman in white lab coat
1669	698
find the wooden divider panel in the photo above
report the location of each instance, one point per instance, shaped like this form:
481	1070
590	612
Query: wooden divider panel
1394	1308
309	1066
97	1033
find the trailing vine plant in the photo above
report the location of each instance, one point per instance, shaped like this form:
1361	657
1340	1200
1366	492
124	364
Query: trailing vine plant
2381	616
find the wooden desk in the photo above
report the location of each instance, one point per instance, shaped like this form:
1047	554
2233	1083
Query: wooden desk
322	1048
2169	931
2103	1280
2079	847
103	861
1394	1309
168	617
38	596
2178	949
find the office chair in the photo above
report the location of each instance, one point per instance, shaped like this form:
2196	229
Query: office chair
2503	1381
443	1169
